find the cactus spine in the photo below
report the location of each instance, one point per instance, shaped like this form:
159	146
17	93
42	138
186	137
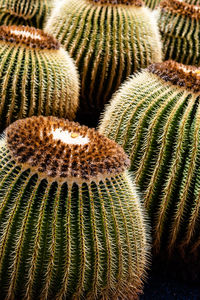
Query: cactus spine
179	24
71	223
36	76
24	12
155	116
109	40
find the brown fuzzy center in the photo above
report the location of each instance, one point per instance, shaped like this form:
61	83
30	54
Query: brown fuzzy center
181	8
28	36
178	74
118	2
60	148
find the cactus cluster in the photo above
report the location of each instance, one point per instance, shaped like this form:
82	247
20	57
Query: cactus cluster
71	221
179	23
109	40
37	76
155	116
24	12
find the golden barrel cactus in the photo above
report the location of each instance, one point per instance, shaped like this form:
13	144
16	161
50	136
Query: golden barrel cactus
71	221
37	76
155	116
24	12
109	40
179	24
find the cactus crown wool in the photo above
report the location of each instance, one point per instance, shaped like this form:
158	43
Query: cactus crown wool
71	222
178	74
28	36
37	76
182	8
118	2
63	149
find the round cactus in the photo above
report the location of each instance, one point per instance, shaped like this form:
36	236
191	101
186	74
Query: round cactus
36	76
156	118
23	12
179	23
109	40
71	222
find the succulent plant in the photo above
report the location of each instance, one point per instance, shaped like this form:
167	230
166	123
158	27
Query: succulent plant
71	221
37	76
109	40
179	24
23	12
155	116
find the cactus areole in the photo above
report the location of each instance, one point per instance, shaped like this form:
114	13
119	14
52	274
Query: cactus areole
71	222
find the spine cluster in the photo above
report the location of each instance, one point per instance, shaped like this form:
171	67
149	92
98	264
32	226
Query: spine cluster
24	12
179	23
108	42
155	117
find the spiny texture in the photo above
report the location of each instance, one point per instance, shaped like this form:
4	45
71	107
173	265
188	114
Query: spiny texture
24	12
108	41
179	23
71	226
155	116
36	76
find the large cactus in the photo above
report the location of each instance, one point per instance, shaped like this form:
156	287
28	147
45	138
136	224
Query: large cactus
109	40
36	76
24	12
71	222
179	24
155	116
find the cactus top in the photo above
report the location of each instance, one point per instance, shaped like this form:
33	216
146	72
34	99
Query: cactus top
118	2
63	149
178	74
181	8
28	36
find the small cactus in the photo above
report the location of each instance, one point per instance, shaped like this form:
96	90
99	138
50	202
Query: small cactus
36	76
179	24
24	12
155	116
109	40
71	222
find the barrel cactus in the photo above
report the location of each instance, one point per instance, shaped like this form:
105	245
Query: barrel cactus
71	222
155	116
179	24
109	40
37	76
23	12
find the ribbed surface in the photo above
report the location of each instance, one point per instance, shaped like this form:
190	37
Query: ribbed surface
180	36
65	240
24	12
107	42
153	4
158	125
35	82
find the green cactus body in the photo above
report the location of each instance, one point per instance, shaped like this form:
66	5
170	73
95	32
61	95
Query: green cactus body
108	42
179	23
71	223
24	12
36	76
155	116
